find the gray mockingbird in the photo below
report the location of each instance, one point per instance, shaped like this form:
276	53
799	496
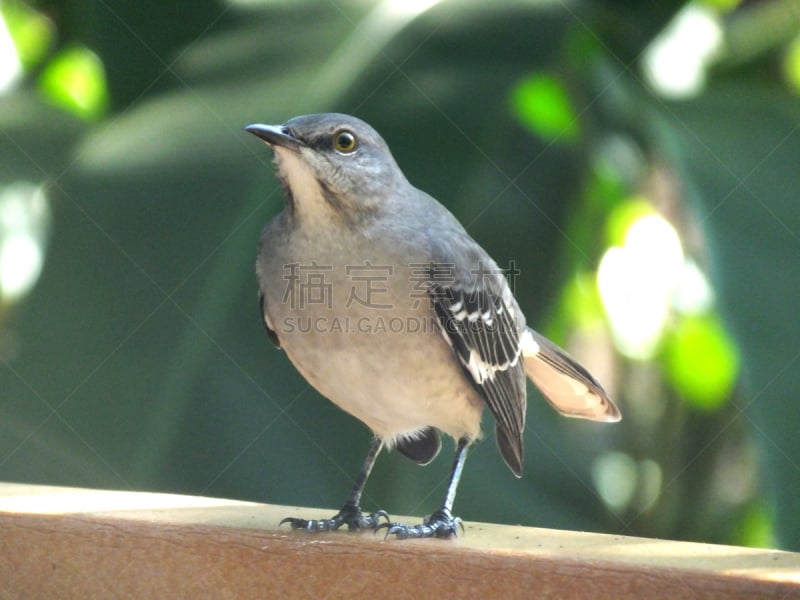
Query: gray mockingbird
392	311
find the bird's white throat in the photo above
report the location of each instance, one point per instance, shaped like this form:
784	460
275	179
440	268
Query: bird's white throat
301	180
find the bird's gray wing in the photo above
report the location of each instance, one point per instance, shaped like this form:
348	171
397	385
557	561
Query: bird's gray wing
273	337
481	327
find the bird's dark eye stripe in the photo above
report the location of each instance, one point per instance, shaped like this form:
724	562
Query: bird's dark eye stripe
324	142
319	143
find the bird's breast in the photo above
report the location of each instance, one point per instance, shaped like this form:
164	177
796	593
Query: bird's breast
363	332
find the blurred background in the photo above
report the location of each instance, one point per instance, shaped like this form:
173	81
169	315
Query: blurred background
637	162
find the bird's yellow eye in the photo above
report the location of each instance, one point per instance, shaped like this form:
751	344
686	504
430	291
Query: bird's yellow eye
344	142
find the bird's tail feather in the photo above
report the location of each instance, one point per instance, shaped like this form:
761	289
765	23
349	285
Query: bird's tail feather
564	382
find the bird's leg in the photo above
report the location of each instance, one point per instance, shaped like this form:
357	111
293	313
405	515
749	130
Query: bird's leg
350	513
441	523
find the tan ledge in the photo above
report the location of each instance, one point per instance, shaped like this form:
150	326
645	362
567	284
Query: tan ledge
77	543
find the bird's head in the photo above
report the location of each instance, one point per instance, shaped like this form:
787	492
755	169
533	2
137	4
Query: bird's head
331	161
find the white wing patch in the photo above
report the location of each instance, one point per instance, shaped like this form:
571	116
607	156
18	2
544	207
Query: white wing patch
527	344
481	327
479	367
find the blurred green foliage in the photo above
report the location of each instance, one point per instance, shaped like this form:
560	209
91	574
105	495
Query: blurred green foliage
138	359
74	81
541	103
33	33
701	362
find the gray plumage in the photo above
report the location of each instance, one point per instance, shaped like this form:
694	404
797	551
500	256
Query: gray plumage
407	323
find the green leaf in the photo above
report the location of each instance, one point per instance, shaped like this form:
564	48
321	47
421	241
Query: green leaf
701	362
75	81
31	31
756	528
722	6
791	65
542	104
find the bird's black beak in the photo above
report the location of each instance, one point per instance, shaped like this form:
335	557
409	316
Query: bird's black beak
275	135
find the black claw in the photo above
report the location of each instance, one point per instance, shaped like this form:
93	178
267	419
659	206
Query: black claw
440	524
388	525
373	521
349	515
295	523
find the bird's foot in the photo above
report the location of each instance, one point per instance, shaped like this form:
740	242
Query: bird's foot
349	515
440	524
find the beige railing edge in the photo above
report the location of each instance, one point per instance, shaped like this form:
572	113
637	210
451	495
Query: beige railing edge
77	543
